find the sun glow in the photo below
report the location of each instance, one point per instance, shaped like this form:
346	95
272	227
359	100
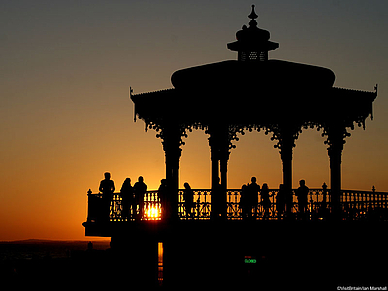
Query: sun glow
153	213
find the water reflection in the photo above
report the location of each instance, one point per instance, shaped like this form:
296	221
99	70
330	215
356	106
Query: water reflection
160	263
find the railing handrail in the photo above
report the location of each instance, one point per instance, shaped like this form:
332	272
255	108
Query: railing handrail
271	189
355	204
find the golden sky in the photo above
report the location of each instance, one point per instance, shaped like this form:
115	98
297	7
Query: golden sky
66	118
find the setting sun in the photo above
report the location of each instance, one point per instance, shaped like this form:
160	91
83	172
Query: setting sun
153	213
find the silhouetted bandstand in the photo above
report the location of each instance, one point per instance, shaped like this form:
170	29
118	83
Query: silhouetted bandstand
252	93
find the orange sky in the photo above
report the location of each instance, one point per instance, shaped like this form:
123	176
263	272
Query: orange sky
66	118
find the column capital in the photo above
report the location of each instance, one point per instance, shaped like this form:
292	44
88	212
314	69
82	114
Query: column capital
335	137
221	138
171	135
285	134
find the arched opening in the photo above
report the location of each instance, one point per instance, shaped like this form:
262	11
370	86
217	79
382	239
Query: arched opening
254	155
310	159
195	161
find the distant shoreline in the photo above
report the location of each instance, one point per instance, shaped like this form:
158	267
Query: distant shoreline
43	249
48	241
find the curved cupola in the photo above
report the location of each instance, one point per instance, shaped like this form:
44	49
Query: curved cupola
252	42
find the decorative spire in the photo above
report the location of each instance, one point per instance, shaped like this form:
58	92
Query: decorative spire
253	14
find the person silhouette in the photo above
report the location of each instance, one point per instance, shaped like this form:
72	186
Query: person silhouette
265	202
140	188
126	193
107	187
253	194
244	201
302	193
280	201
162	195
188	196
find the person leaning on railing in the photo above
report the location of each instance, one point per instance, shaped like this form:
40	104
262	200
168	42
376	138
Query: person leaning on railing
162	195
302	193
188	196
280	201
140	188
107	187
126	193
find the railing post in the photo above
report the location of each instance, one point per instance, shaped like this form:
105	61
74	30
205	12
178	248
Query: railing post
311	204
197	206
385	201
236	194
324	193
374	197
89	206
345	204
357	199
205	201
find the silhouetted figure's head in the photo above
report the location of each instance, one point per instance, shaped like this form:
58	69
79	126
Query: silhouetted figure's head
128	180
107	175
186	185
163	181
302	183
253	179
281	187
265	186
141	179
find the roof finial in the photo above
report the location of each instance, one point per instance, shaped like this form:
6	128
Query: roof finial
253	15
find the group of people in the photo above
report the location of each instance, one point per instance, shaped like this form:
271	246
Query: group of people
250	194
132	196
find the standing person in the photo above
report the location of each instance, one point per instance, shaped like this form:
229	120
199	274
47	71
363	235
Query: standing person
280	201
244	201
302	193
140	188
188	196
162	195
253	194
126	193
107	187
265	202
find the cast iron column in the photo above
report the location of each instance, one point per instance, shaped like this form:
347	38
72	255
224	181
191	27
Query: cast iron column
336	145
286	136
171	146
219	148
286	156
